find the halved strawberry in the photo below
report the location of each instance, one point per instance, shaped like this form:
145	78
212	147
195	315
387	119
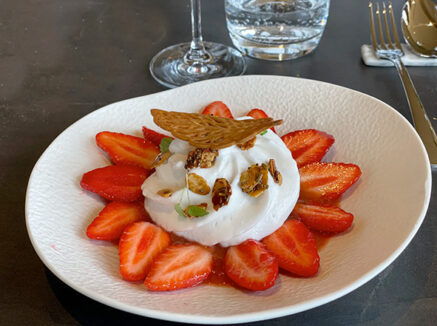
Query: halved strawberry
308	146
295	248
323	218
116	182
179	266
218	109
114	218
259	114
153	136
127	150
139	245
326	181
251	265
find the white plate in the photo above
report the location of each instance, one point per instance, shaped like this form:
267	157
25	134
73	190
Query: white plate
389	202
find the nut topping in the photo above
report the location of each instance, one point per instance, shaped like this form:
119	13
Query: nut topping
276	175
247	145
221	192
165	192
160	159
201	157
197	184
254	181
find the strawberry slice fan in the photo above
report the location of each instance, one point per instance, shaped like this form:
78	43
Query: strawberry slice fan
147	252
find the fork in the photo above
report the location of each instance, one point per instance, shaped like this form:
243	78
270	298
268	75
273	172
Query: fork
392	50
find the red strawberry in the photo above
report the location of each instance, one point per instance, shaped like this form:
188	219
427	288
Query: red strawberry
218	109
251	265
323	218
327	181
153	136
259	114
127	150
113	219
139	245
179	266
116	182
295	248
308	146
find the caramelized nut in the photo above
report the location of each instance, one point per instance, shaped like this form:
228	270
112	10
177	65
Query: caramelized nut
221	192
254	181
197	184
247	145
276	175
165	192
201	157
160	159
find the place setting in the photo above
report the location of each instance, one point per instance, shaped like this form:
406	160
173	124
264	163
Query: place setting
232	197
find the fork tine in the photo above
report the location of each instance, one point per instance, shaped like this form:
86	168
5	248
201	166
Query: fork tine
393	25
378	19
387	29
372	27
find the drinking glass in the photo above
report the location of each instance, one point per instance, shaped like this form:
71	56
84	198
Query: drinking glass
189	62
276	29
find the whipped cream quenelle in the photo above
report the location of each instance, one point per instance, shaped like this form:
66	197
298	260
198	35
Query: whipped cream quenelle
244	217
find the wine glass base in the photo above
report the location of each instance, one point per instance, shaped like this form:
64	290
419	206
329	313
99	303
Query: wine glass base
169	68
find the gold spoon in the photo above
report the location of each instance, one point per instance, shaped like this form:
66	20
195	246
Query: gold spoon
419	26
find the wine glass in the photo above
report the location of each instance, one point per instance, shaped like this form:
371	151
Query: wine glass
189	62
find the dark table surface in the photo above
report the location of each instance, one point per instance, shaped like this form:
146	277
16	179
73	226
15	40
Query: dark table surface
61	59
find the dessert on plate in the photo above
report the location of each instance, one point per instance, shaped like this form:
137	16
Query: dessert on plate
218	199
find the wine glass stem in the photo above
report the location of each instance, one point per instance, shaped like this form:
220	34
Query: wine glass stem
196	55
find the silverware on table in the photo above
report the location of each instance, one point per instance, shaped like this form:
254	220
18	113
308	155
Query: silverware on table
391	50
419	26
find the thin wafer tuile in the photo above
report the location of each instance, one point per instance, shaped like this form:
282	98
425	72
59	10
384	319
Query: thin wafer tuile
208	131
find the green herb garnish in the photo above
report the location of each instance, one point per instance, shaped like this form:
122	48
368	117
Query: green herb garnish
179	210
165	144
197	211
263	133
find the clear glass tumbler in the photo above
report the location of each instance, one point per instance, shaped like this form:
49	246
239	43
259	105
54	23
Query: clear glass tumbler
276	29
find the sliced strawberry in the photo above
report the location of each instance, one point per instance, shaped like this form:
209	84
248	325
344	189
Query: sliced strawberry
179	266
308	146
323	218
218	109
295	248
116	182
153	136
251	265
139	245
326	181
127	150
114	218
259	114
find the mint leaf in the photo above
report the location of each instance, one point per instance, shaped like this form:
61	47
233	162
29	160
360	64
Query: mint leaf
165	144
179	210
263	133
197	211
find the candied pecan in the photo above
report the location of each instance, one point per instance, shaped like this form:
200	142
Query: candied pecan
201	157
276	175
160	159
202	205
221	192
197	184
254	181
165	192
247	145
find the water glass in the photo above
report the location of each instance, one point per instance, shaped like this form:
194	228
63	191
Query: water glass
276	29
